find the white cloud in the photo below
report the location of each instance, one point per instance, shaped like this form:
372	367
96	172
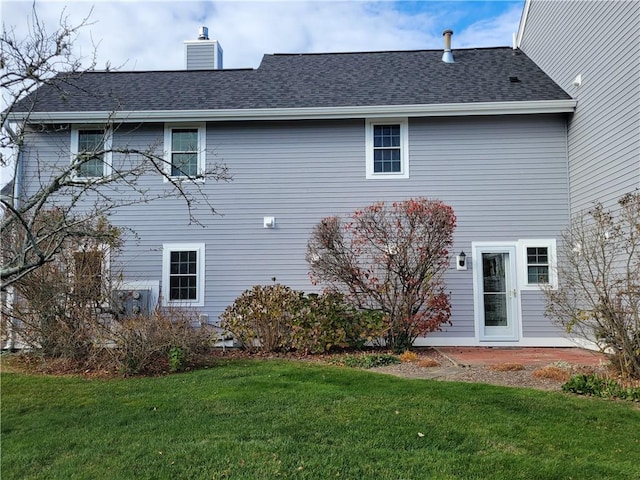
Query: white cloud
140	35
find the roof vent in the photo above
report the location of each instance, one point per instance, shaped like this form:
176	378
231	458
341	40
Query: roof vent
447	56
203	33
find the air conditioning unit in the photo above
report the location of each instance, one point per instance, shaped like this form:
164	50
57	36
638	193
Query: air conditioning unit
128	303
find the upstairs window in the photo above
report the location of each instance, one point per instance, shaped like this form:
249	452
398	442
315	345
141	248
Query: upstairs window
387	149
90	151
185	147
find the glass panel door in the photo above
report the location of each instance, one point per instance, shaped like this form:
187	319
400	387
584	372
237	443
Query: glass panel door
496	293
494	284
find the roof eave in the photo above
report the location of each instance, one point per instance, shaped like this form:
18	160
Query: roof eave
308	113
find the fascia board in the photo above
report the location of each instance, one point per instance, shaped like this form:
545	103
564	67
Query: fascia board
310	113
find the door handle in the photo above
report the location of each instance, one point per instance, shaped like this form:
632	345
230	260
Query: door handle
515	292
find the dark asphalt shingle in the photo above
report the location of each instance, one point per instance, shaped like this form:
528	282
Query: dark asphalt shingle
312	80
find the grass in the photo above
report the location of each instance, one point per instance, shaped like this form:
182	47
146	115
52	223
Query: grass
249	419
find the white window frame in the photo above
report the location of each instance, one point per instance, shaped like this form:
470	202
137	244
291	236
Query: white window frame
107	157
404	148
202	150
167	249
550	245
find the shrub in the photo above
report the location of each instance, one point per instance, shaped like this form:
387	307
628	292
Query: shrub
428	363
507	367
159	342
326	321
366	360
599	386
277	318
552	372
389	259
408	356
598	296
261	318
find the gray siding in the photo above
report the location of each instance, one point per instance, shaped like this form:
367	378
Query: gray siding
203	55
505	177
599	40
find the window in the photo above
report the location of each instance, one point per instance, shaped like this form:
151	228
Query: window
183	274
537	265
185	147
538	260
387	149
90	149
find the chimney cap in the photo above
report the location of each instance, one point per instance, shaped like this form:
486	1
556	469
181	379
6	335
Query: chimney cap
203	33
447	56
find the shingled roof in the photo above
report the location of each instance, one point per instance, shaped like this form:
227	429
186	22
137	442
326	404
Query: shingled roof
310	80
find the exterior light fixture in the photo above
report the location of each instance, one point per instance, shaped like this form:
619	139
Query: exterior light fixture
461	261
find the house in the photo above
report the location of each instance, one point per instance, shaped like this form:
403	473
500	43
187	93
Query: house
484	130
592	50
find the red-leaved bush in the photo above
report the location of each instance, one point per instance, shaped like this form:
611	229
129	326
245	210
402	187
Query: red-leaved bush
389	259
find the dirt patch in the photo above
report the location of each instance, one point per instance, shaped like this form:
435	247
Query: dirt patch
524	376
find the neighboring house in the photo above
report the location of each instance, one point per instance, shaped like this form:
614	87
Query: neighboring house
592	50
311	135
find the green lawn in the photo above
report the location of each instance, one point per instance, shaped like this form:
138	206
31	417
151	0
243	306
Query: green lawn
285	419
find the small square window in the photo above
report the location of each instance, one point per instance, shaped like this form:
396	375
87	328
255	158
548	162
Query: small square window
537	265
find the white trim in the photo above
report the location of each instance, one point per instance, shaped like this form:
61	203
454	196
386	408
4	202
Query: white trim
515	329
167	248
559	341
107	136
307	113
404	148
523	22
550	245
202	149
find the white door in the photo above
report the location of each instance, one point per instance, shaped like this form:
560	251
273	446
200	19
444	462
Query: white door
496	294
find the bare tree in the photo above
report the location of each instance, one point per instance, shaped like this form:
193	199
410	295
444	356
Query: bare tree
598	296
70	195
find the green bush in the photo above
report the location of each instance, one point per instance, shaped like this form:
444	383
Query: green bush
326	321
600	387
366	360
261	318
276	318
